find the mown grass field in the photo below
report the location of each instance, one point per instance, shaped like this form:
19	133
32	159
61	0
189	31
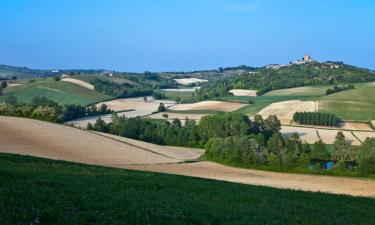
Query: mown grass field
58	91
357	104
41	191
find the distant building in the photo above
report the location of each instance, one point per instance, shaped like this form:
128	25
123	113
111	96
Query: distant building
307	58
275	66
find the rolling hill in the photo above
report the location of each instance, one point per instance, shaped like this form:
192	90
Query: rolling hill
58	91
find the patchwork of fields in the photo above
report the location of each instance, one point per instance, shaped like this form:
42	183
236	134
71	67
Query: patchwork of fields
58	91
75	145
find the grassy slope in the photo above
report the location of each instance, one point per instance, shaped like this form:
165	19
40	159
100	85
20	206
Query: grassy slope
357	104
61	92
55	192
89	78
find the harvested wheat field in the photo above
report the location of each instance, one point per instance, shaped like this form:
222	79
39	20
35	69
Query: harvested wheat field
79	82
187	81
47	140
286	109
355	126
243	92
130	107
137	104
180	153
210	105
42	139
310	135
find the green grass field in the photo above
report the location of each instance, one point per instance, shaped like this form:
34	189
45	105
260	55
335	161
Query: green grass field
186	97
41	191
357	104
89	78
58	91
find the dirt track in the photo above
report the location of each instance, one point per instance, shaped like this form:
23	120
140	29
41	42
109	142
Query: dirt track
79	82
36	138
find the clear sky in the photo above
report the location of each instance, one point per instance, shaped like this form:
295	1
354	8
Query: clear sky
176	35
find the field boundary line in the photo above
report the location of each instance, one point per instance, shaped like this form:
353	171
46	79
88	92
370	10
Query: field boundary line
133	145
355	136
325	128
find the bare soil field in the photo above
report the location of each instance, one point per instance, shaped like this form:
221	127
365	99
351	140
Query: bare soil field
79	82
180	153
47	140
286	109
210	105
133	106
187	81
180	116
243	92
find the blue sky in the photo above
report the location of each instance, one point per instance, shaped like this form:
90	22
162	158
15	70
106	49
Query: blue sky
178	35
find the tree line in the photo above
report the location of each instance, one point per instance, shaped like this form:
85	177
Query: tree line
337	89
232	138
124	90
44	109
265	80
191	134
316	118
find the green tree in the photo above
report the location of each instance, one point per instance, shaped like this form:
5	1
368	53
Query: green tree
100	125
319	151
273	124
161	107
4	84
366	157
11	100
342	150
275	144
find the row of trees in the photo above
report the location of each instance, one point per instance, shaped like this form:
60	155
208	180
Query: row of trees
316	118
44	109
337	89
233	138
191	134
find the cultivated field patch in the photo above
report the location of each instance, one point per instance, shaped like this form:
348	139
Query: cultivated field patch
286	109
311	135
61	142
188	81
243	92
128	107
210	105
79	82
